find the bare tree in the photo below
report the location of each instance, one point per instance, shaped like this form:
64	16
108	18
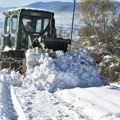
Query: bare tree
101	20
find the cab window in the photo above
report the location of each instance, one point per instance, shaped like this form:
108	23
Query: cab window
28	24
42	24
46	21
39	25
14	24
6	25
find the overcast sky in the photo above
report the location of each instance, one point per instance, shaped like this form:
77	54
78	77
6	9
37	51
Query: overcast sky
18	3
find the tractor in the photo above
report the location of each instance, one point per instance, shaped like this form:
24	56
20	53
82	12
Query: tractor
26	28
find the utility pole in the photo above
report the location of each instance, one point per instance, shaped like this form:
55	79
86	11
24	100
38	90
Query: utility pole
72	23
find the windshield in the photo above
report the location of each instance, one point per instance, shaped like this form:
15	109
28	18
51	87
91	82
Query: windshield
35	24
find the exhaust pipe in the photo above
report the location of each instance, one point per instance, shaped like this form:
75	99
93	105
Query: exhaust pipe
52	26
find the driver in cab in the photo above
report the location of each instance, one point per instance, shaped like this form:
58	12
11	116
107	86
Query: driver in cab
29	26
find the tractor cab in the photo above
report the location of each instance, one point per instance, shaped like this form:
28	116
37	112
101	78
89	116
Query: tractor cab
26	28
22	26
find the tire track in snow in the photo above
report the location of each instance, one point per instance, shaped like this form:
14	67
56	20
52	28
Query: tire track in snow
62	104
50	107
47	106
6	100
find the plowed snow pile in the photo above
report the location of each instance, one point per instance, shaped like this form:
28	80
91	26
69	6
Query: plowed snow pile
69	70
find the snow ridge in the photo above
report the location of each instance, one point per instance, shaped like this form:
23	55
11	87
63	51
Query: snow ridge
17	106
8	109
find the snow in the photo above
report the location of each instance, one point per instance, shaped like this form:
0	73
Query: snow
96	103
7	48
17	106
26	8
66	71
67	87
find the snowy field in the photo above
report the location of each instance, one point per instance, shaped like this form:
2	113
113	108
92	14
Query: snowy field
66	88
96	103
64	21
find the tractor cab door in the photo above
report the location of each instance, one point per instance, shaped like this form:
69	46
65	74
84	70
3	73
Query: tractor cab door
13	31
10	32
6	35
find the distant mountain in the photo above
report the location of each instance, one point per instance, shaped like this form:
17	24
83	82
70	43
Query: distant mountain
50	6
53	6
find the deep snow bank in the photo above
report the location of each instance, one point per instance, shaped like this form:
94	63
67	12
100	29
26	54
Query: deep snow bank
68	70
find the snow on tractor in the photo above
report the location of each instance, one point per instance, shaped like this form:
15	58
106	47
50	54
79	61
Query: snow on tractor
24	29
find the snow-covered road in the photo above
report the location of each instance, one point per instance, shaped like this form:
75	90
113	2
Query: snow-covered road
42	105
94	103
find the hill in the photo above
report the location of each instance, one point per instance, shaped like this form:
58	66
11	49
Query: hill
50	6
53	6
